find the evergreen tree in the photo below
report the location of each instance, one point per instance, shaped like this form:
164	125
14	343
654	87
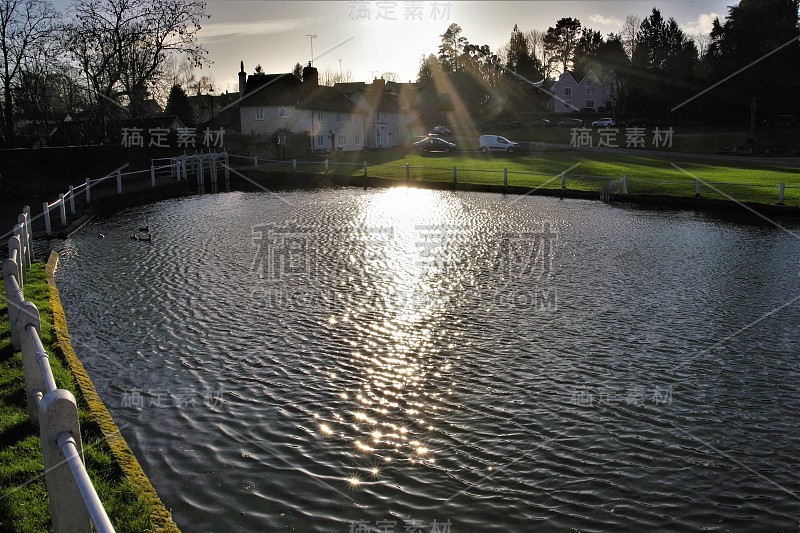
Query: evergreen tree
178	104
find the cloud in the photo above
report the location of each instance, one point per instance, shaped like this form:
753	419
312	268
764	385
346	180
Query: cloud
225	30
597	18
701	26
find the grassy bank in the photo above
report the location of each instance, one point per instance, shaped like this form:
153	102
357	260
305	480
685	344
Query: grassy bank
23	496
647	174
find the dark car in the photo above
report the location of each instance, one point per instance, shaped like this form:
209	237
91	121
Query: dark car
441	130
434	144
781	121
571	123
636	123
540	123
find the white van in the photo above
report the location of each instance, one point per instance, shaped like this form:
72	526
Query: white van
497	143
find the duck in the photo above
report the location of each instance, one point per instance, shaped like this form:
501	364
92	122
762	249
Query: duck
145	237
101	236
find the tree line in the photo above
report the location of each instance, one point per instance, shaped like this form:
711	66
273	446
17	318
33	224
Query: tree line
98	58
751	55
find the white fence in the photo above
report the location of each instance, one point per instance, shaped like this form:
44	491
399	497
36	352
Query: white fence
176	168
74	505
609	185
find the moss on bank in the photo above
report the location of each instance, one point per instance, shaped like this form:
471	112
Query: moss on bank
127	495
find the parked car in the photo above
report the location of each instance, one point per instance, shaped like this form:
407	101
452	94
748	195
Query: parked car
636	123
540	123
441	130
497	143
781	121
434	144
604	123
571	123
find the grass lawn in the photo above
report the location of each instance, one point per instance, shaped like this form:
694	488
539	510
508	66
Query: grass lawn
692	139
24	506
647	174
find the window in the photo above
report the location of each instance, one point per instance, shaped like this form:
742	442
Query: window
589	91
338	117
259	114
567	91
589	103
320	116
284	112
567	103
349	118
320	140
357	140
342	140
378	136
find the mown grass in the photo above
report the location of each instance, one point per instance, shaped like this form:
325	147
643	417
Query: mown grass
24	505
647	174
691	139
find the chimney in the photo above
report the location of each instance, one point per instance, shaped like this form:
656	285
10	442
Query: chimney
310	75
242	79
379	83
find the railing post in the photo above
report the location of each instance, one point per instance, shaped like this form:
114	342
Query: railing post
255	161
152	175
455	175
88	190
58	414
119	182
19	243
365	168
294	165
505	177
326	164
408	172
201	179
13	298
25	237
26	210
697	188
563	181
226	163
781	193
624	184
46	209
72	200
62	209
35	386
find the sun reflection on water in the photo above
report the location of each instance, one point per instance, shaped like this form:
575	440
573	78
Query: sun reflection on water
392	408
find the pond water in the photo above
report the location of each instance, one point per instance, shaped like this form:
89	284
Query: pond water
386	359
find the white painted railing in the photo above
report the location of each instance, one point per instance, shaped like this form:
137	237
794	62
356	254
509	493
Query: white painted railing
176	168
74	504
609	185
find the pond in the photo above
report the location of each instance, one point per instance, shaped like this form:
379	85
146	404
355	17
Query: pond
390	359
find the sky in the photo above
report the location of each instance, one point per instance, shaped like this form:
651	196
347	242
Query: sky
370	38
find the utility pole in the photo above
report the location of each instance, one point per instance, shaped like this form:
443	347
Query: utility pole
314	36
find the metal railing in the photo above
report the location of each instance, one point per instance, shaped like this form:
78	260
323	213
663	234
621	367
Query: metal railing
608	185
175	168
74	504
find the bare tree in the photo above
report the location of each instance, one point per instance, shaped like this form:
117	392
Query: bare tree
628	34
24	26
390	76
122	46
330	76
702	41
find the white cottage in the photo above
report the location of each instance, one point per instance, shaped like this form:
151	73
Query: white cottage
274	103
